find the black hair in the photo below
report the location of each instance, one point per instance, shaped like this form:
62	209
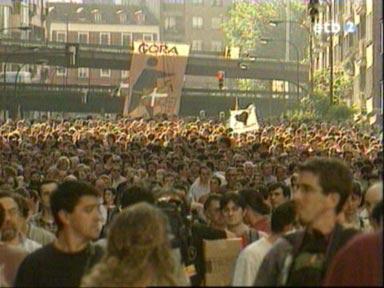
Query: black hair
234	197
211	197
67	196
277	185
135	194
377	212
283	215
2	215
255	200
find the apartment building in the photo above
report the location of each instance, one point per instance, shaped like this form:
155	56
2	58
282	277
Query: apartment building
357	48
113	25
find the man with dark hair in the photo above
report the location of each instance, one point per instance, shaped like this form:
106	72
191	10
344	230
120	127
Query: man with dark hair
10	256
13	230
249	260
233	207
278	193
256	210
44	219
75	208
302	258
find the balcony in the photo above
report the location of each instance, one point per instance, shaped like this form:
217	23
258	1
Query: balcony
360	6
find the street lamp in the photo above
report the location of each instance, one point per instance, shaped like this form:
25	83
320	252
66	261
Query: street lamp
268	40
275	23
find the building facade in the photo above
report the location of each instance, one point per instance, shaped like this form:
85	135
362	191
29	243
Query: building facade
113	25
357	48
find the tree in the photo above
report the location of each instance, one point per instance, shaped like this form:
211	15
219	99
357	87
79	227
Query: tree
248	20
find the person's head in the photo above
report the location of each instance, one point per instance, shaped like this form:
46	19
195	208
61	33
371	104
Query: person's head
75	208
135	194
45	191
255	205
266	168
212	210
137	243
278	193
205	174
249	168
215	184
283	218
373	196
109	196
376	216
324	186
231	175
13	217
354	200
233	207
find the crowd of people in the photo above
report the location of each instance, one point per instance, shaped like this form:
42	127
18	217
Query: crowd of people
128	202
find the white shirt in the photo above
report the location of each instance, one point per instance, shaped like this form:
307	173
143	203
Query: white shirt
197	190
29	245
249	261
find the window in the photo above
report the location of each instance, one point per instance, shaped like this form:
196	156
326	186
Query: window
105	73
363	27
97	17
127	39
381	37
123	18
197	22
217	46
60	36
83	38
24	16
147	37
124	74
369	35
61	71
83	72
216	22
197	2
197	45
169	23
104	38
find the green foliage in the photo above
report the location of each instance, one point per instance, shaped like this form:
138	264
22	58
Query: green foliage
248	19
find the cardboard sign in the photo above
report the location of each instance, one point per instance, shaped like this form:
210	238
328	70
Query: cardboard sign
220	258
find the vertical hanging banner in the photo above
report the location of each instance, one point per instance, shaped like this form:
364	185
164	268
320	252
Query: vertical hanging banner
156	79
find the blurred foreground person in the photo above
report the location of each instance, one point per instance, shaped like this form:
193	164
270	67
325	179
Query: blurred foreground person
360	262
303	257
138	251
75	207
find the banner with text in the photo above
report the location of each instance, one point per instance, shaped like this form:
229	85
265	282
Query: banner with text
156	79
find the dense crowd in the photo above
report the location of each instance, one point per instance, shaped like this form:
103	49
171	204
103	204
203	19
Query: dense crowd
211	182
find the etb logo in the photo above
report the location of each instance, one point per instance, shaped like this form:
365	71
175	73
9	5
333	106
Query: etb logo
334	28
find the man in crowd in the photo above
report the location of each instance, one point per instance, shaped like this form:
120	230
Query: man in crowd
278	194
10	256
302	258
13	230
75	208
44	218
249	260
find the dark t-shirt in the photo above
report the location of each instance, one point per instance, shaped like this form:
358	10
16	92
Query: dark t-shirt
50	267
308	266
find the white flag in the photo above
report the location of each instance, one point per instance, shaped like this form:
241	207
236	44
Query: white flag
243	120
